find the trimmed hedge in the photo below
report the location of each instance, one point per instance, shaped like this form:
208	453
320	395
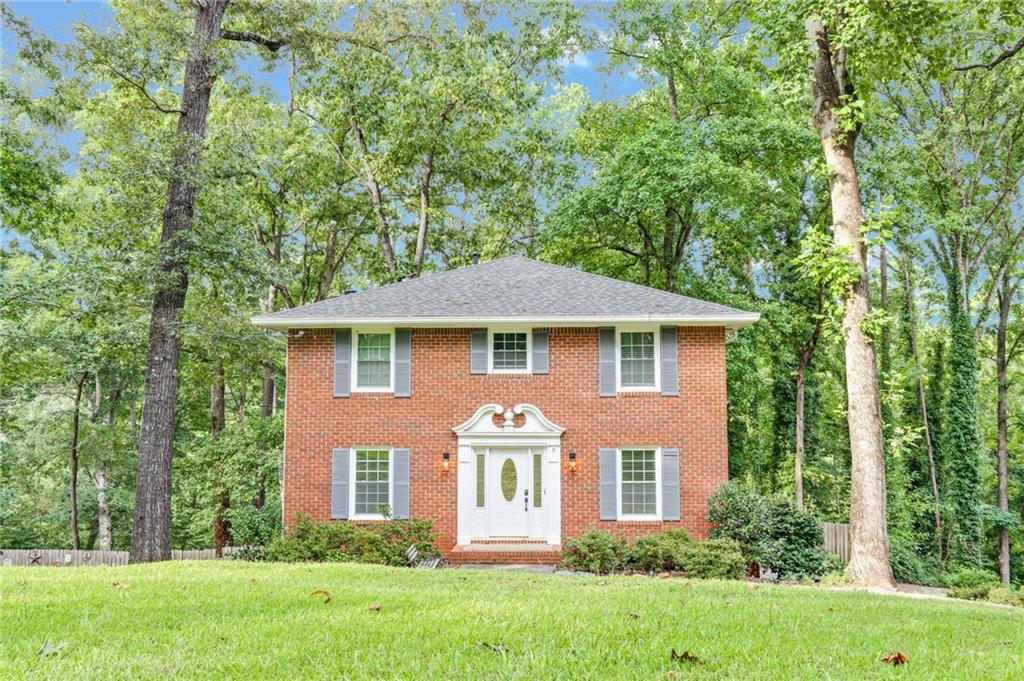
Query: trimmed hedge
670	551
346	542
595	551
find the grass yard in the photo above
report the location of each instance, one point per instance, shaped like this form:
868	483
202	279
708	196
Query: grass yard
244	620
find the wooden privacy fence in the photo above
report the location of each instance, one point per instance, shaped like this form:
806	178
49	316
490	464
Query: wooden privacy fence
837	539
69	558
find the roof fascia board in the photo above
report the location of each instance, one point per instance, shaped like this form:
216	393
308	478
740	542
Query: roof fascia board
730	321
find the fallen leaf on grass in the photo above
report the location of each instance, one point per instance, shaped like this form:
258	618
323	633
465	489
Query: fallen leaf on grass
493	647
895	658
671	674
634	615
121	585
685	656
321	592
51	648
375	607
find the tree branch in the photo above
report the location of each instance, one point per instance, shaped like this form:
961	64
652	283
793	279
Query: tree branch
141	87
247	37
1006	54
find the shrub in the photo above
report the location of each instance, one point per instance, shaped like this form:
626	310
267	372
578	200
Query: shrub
595	551
770	532
712	559
383	543
910	563
974	578
1007	596
659	552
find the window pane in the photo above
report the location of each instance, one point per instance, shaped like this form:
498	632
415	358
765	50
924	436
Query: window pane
636	358
372	488
373	360
639	484
509	351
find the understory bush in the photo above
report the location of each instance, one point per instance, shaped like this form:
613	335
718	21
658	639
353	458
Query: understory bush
770	532
595	551
911	563
383	543
669	551
713	559
661	552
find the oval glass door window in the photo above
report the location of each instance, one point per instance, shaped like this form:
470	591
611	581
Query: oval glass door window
509	480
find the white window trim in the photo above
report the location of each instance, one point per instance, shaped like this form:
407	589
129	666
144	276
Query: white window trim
490	351
657	360
657	485
390	388
352	485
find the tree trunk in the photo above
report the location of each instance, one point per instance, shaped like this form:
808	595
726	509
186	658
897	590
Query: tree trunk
1002	449
923	404
218	417
869	555
76	542
801	391
883	300
102	481
798	469
151	531
269	391
424	225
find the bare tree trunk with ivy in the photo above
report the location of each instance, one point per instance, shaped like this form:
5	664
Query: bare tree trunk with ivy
831	87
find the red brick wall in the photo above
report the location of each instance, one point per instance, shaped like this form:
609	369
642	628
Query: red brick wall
444	394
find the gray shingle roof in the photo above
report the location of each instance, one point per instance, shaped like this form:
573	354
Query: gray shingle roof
509	289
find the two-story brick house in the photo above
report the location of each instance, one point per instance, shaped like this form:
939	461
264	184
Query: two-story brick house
513	402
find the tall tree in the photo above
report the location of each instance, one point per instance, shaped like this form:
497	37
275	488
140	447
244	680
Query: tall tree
833	90
151	531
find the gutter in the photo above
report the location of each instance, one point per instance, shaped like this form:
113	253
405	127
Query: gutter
732	321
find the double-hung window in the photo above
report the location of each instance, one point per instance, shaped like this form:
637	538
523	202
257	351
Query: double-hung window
373	359
372	478
510	351
638	360
638	483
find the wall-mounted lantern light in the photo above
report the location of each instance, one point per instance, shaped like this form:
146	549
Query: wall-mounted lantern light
572	462
444	461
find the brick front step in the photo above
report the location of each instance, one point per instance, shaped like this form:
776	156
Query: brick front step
505	554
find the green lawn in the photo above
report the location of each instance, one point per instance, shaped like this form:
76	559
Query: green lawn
244	620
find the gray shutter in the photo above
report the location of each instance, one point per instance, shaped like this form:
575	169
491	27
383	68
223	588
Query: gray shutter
669	361
339	484
609	485
606	361
478	351
540	351
403	362
342	362
400	482
670	484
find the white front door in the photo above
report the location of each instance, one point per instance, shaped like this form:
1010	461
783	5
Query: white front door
509	485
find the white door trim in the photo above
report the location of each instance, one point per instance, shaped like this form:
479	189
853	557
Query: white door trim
537	434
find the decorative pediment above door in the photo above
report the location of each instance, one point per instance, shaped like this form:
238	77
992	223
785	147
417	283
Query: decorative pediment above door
533	423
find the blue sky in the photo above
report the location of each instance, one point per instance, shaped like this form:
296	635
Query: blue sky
56	19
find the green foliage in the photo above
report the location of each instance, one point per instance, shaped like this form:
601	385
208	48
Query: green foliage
712	559
595	551
659	552
383	543
768	531
960	430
